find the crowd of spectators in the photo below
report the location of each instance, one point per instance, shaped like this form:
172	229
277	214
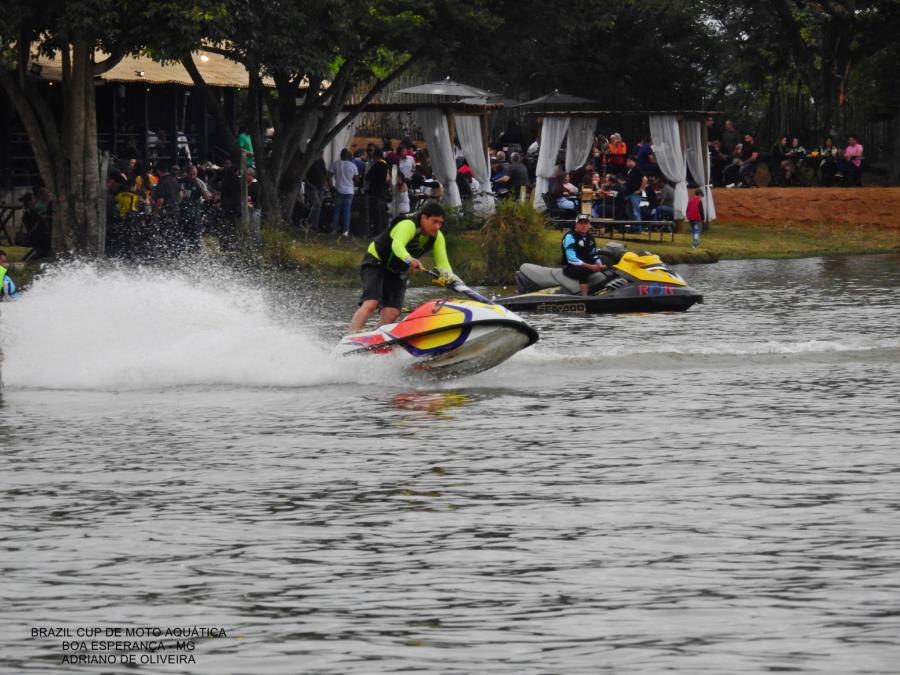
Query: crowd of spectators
167	208
736	157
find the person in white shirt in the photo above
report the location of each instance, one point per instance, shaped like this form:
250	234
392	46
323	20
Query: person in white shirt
341	179
406	164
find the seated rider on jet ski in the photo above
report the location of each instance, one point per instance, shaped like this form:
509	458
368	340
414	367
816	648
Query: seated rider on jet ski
392	254
580	255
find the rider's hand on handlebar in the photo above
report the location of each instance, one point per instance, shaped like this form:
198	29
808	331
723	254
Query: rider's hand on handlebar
414	264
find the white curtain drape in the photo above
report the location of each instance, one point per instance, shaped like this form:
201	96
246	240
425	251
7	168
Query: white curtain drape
580	141
468	131
695	153
670	157
440	150
342	140
552	133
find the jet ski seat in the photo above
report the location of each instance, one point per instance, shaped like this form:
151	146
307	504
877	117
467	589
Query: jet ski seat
532	278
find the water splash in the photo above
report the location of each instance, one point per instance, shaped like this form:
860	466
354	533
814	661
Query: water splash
83	326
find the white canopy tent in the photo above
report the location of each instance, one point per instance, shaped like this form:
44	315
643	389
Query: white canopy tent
679	143
469	133
440	149
667	142
553	132
342	139
438	122
700	169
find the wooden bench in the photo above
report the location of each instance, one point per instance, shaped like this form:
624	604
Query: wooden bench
648	227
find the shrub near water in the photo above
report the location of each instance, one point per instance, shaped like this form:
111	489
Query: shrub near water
511	236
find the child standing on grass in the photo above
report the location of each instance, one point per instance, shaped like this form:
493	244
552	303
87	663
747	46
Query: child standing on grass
694	214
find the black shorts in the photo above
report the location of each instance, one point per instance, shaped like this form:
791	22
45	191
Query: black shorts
577	272
378	283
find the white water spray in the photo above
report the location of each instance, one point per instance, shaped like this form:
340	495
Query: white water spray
83	327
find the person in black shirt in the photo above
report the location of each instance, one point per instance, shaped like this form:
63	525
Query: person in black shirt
635	182
377	195
315	191
743	169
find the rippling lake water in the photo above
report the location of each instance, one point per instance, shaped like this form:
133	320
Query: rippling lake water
716	491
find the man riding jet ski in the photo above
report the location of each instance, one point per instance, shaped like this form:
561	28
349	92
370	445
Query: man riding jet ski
442	337
630	283
446	337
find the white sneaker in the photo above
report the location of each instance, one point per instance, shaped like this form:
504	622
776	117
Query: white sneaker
730	185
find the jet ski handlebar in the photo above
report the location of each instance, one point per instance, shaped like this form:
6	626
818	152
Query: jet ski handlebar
460	287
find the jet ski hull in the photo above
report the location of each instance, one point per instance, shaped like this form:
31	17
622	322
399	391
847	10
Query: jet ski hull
647	298
631	283
445	338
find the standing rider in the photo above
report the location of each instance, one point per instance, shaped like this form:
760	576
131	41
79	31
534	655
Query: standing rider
389	257
580	255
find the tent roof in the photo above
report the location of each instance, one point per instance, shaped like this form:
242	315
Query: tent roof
555	98
445	87
217	70
493	99
584	112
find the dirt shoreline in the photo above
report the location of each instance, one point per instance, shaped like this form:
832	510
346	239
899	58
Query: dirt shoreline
856	206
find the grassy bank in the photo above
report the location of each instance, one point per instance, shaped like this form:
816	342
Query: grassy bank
322	255
337	261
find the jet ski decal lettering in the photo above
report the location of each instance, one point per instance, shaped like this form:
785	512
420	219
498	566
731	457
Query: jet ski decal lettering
570	308
655	290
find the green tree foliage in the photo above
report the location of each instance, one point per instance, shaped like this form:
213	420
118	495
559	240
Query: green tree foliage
87	37
316	57
623	53
823	43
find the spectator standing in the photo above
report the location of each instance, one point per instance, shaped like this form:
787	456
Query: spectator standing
406	162
618	152
402	191
359	158
246	144
342	177
230	203
196	193
635	182
377	192
694	214
646	160
166	200
518	175
315	190
730	138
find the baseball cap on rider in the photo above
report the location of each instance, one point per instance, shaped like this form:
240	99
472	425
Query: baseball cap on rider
583	218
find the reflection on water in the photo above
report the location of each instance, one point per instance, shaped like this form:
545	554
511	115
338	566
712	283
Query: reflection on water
437	404
714	491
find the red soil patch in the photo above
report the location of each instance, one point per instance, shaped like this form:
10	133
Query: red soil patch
861	206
